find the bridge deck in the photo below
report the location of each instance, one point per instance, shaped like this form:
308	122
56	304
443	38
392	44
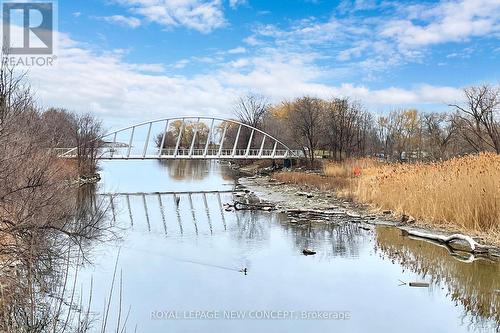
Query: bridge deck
195	137
187	154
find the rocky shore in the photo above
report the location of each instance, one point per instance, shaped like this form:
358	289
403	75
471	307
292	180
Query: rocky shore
304	205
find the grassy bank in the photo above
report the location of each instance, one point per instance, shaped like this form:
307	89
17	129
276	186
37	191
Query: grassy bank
460	194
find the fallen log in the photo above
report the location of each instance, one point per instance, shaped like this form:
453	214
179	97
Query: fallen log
314	211
462	256
474	246
238	205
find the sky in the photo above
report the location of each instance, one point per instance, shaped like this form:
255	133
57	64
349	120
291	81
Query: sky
136	60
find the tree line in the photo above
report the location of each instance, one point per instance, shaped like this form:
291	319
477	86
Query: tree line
341	128
43	217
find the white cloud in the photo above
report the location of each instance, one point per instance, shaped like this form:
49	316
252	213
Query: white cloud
351	6
448	21
289	76
200	15
236	3
251	40
129	21
148	68
110	87
125	92
353	52
181	64
237	50
240	63
400	32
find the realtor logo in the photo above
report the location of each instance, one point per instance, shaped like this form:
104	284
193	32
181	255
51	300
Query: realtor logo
28	27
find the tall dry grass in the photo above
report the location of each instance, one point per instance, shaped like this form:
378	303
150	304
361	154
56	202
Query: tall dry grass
462	193
350	168
312	180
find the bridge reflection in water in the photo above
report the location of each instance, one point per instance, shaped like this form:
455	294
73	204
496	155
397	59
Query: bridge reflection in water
170	213
185	214
201	215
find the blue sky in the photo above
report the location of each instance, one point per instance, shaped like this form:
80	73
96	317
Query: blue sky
140	59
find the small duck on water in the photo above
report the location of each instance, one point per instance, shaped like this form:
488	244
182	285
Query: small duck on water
308	252
243	270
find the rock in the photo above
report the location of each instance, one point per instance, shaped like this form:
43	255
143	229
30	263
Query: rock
334	212
304	194
308	252
387	212
406	219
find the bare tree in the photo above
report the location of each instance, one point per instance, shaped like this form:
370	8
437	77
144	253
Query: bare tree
40	217
251	110
87	132
438	133
348	127
306	117
478	119
15	93
59	127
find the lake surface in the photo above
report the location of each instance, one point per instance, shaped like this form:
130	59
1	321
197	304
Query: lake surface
180	257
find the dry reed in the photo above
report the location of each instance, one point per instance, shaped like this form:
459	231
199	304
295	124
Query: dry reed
311	180
462	193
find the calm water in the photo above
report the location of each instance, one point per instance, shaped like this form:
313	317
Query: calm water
187	257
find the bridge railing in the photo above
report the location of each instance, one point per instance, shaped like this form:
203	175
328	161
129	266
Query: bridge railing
125	153
192	137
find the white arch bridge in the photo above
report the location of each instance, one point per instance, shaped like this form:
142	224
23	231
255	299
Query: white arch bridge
189	137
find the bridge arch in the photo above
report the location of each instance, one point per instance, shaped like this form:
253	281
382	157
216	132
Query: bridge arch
218	144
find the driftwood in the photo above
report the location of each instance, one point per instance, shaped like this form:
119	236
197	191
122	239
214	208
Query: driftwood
315	212
414	284
364	228
465	257
418	284
473	245
238	205
305	194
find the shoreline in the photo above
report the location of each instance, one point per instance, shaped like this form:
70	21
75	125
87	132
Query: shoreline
321	206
